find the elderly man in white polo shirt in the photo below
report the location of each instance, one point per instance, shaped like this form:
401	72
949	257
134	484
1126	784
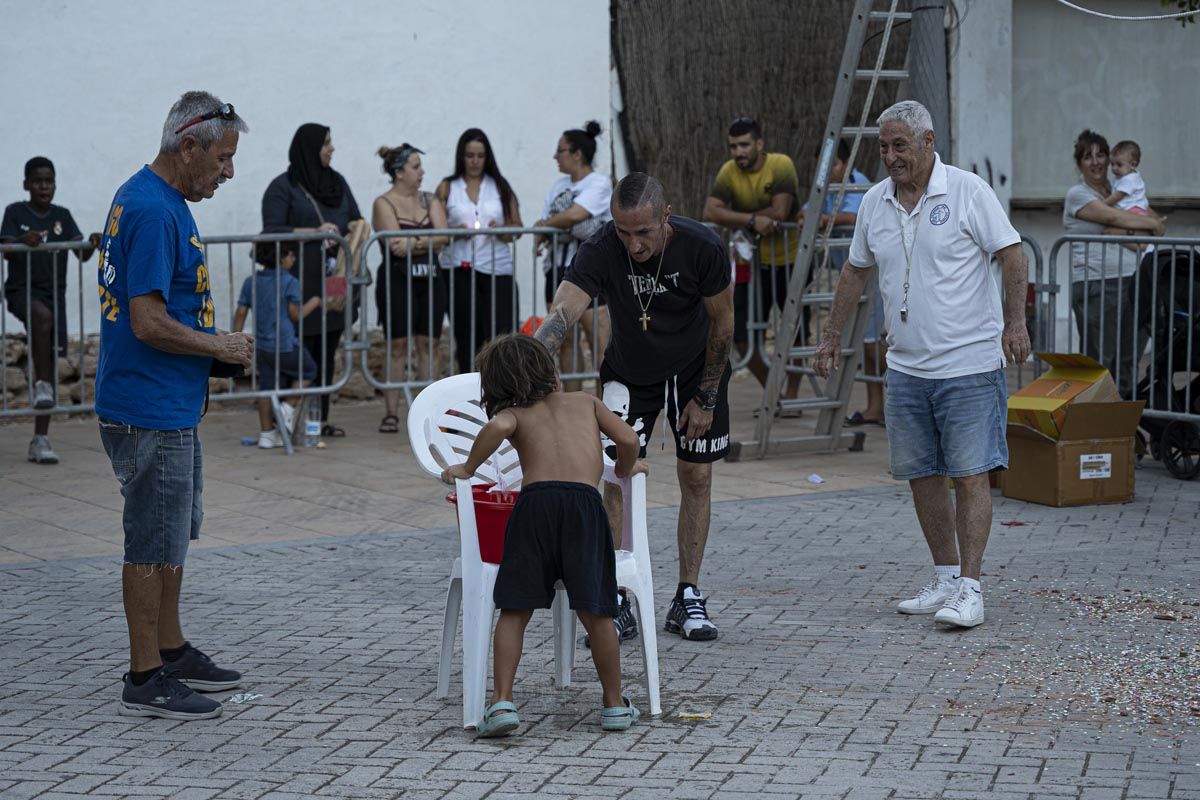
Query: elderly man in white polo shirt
932	229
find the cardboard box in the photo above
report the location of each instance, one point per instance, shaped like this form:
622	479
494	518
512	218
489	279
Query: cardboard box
1091	460
1072	378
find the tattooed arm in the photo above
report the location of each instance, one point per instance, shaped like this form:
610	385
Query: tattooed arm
569	304
694	421
720	336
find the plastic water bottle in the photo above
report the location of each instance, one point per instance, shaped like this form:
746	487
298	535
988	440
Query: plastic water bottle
312	422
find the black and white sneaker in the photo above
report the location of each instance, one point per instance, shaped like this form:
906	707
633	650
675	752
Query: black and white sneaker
625	621
164	696
199	672
689	618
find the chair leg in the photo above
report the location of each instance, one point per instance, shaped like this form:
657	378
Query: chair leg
449	633
564	639
643	593
477	630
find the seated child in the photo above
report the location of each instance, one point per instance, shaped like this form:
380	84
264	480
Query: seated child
558	529
277	349
1129	190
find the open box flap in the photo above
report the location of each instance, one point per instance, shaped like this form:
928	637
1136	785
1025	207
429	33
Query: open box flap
1101	420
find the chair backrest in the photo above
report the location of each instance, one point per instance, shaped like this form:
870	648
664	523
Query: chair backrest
444	420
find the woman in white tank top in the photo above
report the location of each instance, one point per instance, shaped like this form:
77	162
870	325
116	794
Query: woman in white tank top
483	294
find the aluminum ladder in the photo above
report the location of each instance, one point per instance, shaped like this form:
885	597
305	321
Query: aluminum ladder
834	397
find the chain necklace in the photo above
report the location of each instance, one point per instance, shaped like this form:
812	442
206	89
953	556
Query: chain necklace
908	252
645	318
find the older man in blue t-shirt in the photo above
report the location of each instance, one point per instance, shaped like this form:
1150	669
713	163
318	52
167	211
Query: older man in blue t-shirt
158	343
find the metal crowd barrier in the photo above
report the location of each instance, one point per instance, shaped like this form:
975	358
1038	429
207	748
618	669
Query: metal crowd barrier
830	257
1138	313
17	380
424	296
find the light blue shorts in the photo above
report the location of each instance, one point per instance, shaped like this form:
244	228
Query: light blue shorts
952	426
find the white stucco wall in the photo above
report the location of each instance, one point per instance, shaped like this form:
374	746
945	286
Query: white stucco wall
1126	80
88	85
981	94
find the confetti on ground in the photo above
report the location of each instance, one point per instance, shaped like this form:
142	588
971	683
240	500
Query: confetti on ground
699	715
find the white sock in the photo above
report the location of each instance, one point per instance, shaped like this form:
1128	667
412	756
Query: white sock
973	584
947	573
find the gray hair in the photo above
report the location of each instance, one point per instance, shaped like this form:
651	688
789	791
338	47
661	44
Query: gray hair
187	108
910	113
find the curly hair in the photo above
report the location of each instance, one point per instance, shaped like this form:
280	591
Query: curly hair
515	371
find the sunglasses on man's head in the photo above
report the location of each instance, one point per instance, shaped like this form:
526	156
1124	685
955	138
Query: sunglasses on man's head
224	111
744	121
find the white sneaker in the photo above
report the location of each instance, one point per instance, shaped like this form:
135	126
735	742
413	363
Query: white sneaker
43	395
40	451
289	416
269	439
965	609
931	598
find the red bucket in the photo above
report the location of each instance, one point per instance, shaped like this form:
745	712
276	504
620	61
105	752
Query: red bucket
491	518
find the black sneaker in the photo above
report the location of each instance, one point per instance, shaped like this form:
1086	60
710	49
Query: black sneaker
689	618
164	696
625	621
199	672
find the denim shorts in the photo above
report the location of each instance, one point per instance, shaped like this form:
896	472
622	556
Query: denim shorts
951	426
161	477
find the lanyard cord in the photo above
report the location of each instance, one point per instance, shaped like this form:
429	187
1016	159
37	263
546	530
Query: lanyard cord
908	252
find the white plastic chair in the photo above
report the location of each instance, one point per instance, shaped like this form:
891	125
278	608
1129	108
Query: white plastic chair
443	421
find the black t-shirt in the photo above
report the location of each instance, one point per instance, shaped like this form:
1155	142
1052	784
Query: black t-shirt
59	225
694	266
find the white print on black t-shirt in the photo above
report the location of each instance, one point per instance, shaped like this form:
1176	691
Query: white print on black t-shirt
644	285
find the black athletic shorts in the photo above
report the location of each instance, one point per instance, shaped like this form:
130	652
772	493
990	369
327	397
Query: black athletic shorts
558	531
15	301
640	406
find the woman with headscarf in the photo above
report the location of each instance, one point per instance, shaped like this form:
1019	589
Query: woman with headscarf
312	196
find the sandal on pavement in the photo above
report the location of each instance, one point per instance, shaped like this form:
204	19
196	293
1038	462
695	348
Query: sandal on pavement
619	718
857	419
390	424
499	719
332	431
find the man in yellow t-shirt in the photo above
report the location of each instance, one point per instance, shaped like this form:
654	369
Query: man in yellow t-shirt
753	192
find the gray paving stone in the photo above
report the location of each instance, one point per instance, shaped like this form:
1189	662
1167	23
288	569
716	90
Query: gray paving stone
817	689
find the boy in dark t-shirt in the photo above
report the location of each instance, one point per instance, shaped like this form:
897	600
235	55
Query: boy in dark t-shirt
35	289
670	300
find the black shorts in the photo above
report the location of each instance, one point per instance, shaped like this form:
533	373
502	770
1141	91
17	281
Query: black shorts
15	302
640	405
558	531
424	307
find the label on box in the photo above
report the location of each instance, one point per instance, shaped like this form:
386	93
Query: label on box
1094	466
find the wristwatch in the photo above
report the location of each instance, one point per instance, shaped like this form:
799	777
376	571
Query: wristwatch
707	399
750	224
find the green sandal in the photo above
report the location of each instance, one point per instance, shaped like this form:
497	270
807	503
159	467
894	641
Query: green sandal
499	719
619	718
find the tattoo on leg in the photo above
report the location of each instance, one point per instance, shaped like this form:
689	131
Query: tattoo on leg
553	331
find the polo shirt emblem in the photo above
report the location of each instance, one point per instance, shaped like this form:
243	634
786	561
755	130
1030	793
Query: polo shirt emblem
939	214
